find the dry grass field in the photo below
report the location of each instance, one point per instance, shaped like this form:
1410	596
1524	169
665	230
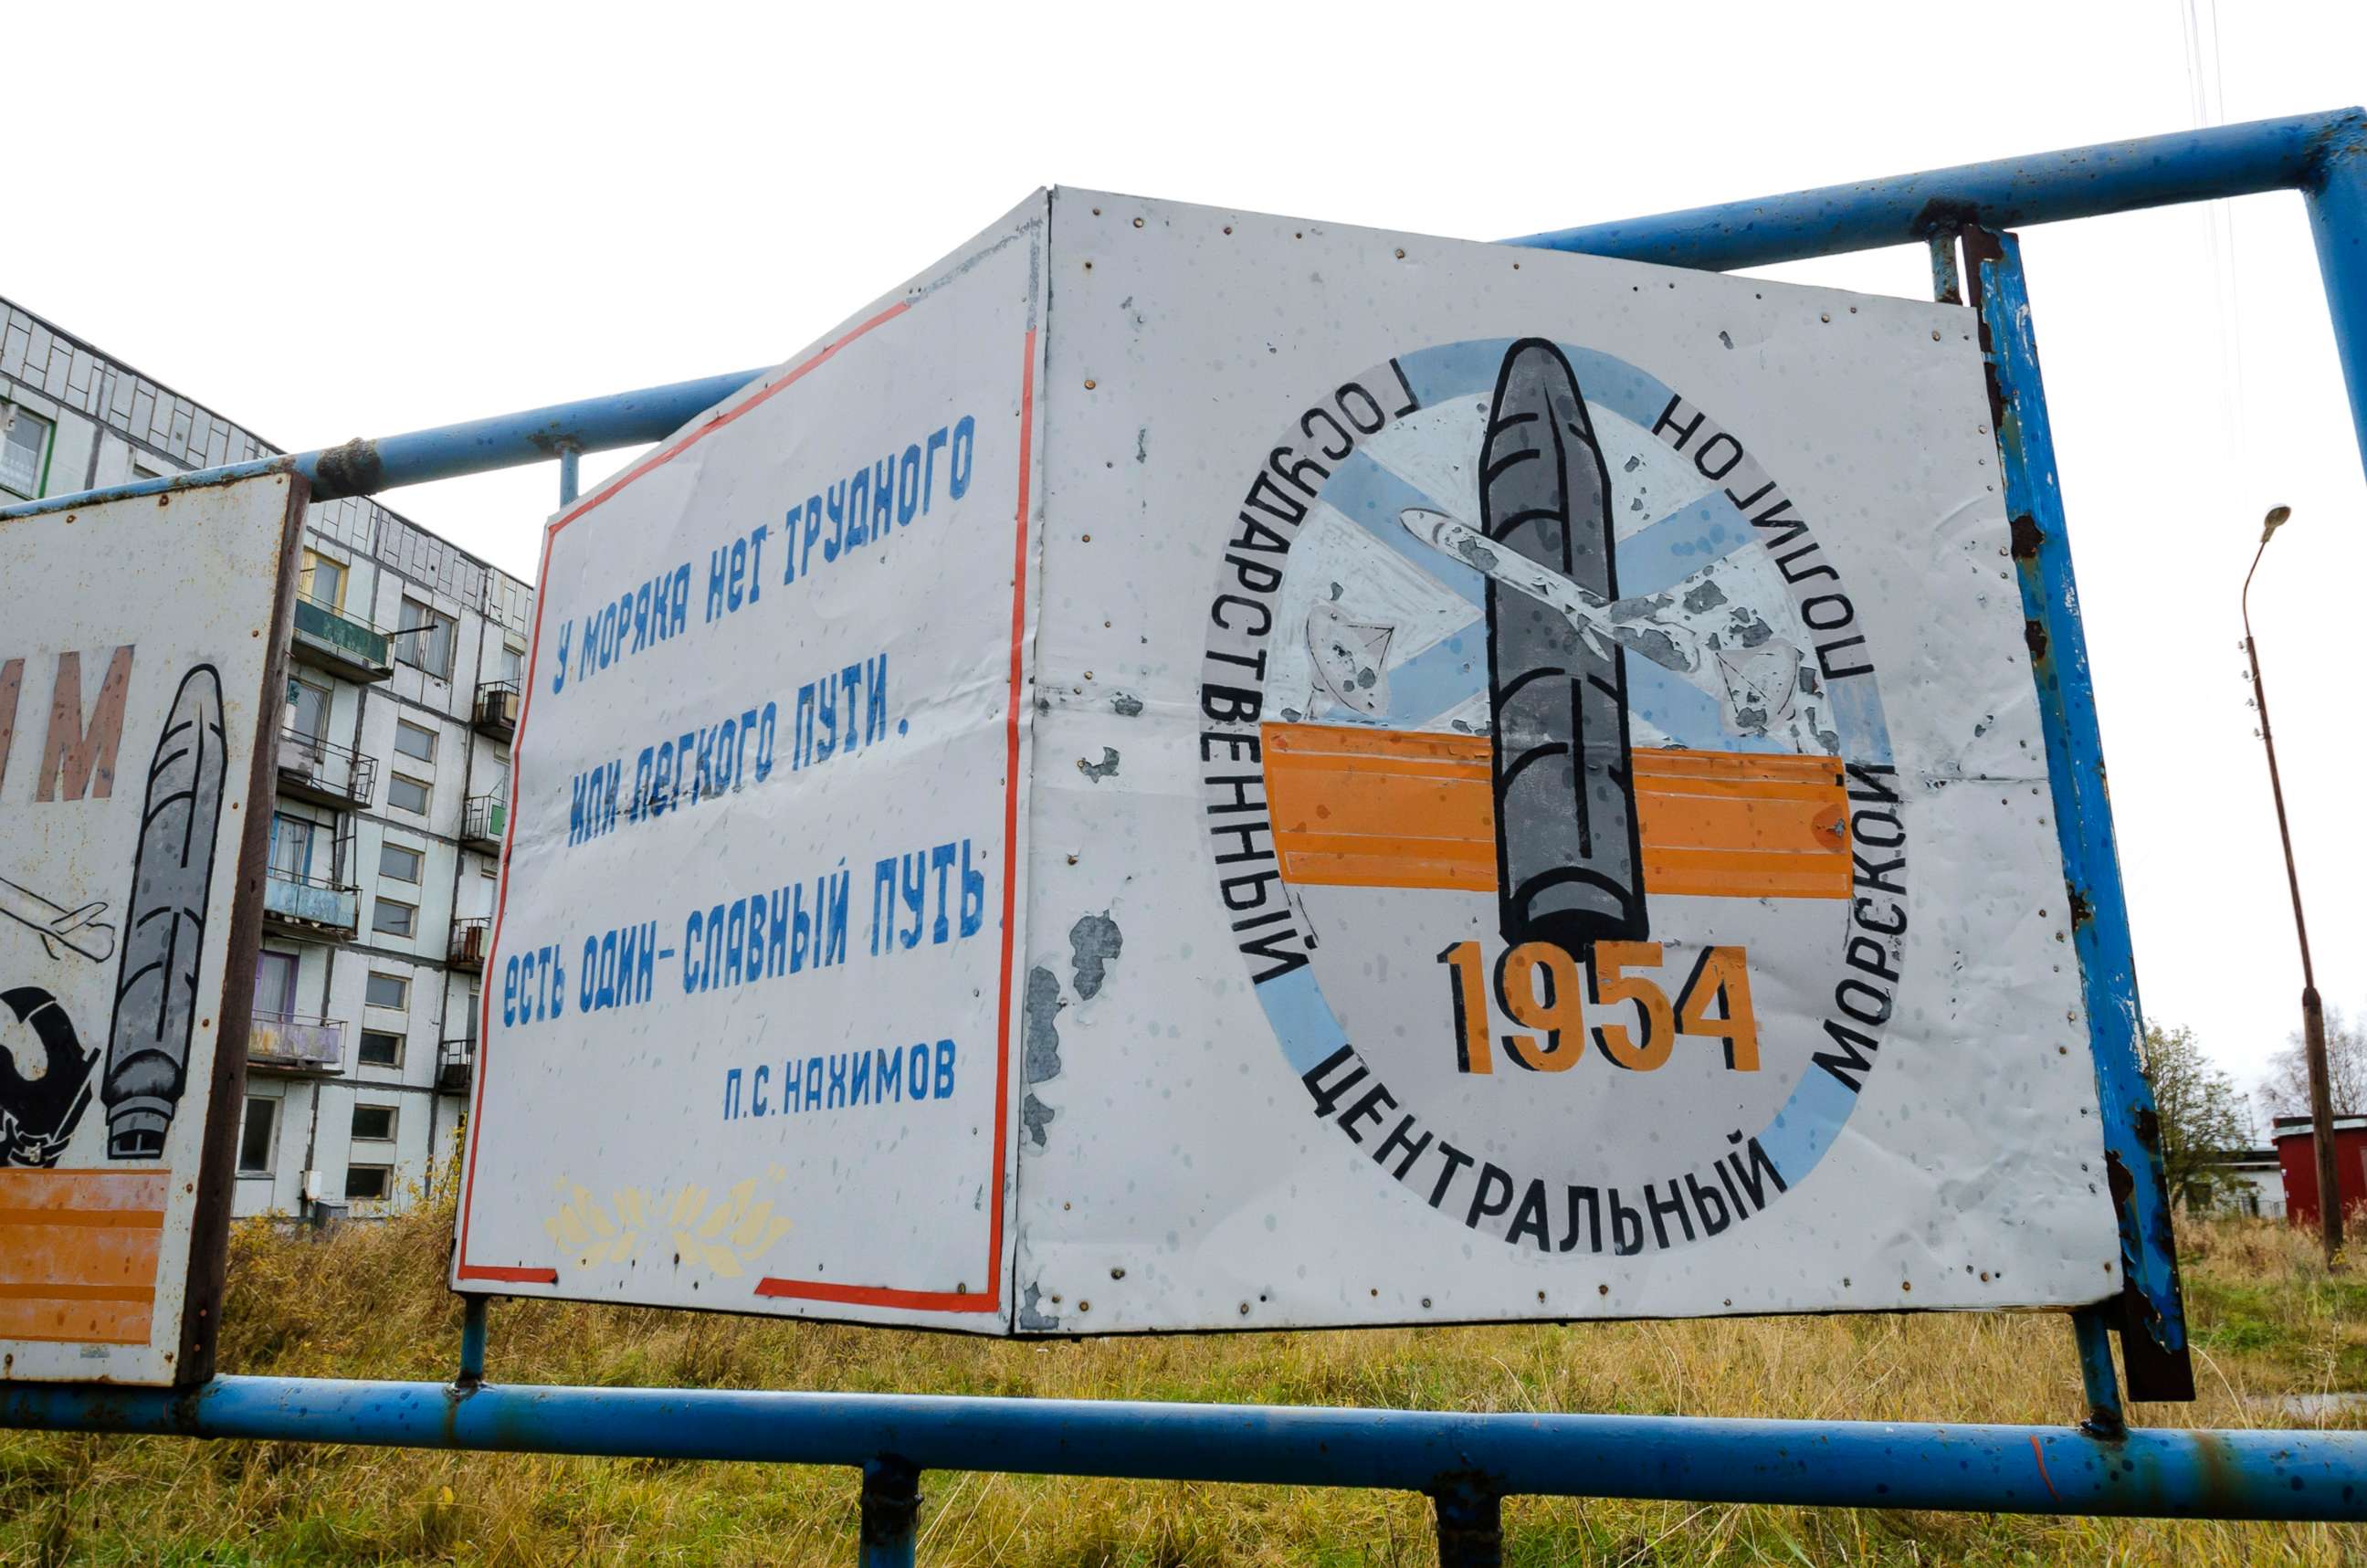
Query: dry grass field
368	1300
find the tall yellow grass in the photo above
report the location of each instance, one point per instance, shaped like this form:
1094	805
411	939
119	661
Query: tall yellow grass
368	1300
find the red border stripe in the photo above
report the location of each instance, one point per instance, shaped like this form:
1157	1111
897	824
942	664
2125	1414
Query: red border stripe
464	1270
514	1276
989	1300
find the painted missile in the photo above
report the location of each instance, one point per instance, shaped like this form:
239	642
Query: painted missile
78	930
1569	866
163	947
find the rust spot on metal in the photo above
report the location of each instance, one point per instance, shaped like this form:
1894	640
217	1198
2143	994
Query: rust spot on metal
2117	1177
1946	215
353	468
2148	1123
2026	538
2082	911
2034	634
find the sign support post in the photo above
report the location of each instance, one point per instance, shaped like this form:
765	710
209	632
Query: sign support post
2095	923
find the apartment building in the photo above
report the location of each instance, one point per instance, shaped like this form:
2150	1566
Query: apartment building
393	786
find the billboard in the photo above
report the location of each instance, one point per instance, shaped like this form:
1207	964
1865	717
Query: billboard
1196	770
139	677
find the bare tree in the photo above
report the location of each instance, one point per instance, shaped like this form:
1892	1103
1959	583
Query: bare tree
2201	1111
2285	1091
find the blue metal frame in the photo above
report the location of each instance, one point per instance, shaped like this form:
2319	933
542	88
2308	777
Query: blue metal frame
2095	914
2024	1470
1468	1463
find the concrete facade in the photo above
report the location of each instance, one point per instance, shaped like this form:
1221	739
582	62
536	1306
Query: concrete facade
393	775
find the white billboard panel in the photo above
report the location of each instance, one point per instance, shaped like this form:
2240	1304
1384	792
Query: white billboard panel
1528	782
138	679
744	1041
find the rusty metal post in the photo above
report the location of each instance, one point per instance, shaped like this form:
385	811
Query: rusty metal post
1470	1523
891	1507
1947	280
2313	1011
472	1342
2092	1327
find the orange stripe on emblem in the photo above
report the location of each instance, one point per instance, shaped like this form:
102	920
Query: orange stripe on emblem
1357	807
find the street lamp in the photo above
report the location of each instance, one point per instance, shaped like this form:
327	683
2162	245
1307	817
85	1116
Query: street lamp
2313	1013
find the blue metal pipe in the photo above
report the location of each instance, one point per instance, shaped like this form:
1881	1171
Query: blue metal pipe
2338	221
362	467
2046	188
2032	1470
2318	154
2152	1345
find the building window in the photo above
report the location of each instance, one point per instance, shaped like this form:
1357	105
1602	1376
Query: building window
412	739
425	639
24	450
369	1182
275	985
373	1124
323	581
411	794
380	1049
509	665
291	845
256	1137
308	709
387	990
394	917
402	864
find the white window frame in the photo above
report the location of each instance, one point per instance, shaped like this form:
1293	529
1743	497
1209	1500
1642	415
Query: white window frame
418	861
402	724
394	1119
14	414
401	980
409	932
271	1139
426	787
411	646
386	1194
395	1035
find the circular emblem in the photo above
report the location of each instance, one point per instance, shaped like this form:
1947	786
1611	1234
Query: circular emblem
1549	796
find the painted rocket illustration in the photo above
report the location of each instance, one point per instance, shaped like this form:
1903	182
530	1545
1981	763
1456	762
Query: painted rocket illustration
1569	864
156	989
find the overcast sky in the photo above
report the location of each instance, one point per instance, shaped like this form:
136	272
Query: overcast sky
337	221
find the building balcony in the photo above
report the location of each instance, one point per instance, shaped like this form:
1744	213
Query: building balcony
471	938
339	642
312	906
496	713
455	1063
313	770
483	819
297	1043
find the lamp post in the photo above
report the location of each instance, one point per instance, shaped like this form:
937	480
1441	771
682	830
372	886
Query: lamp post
2313	1011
